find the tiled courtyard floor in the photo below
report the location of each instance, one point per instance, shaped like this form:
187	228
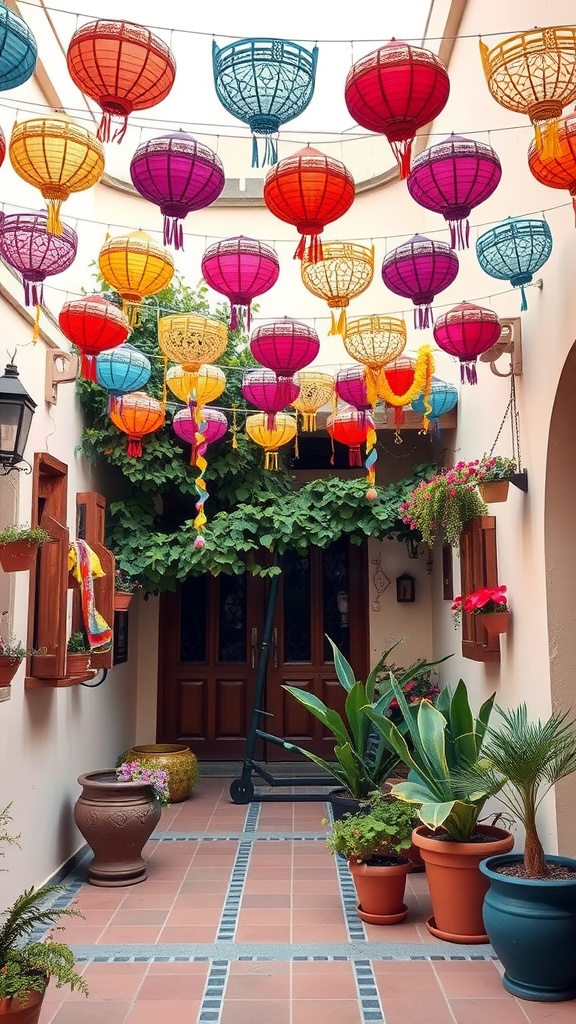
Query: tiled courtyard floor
246	918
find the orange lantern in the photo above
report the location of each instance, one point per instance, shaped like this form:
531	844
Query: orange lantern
206	385
316	390
57	156
557	170
345	271
192	339
404	379
271	440
137	414
136	266
351	428
534	73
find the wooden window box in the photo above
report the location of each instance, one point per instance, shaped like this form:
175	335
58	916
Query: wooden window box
478	568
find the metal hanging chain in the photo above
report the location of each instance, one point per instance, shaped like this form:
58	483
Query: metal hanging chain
514	425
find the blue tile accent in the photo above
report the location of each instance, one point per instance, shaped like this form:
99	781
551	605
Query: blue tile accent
354	925
370	1005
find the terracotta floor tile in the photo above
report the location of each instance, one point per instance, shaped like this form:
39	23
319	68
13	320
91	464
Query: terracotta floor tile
262	933
120	934
92	897
195	900
79	934
315	885
478	1011
263	916
153	1010
180	968
318	915
258	986
139	915
106	986
205	916
255	1011
255	967
405	931
207	885
93	1012
323	986
479	980
327	1011
325	934
308	900
269	899
549	1013
190	933
172	987
110	970
142	899
267	885
407	1009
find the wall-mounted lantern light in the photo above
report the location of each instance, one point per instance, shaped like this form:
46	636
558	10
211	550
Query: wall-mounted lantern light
16	412
405	588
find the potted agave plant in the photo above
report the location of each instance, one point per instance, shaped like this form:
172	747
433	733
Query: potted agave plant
19	547
125	587
490	603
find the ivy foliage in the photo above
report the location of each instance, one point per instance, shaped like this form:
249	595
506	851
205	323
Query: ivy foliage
251	512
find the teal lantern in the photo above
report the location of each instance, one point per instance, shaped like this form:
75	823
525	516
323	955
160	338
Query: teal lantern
122	370
443	397
265	83
514	250
18	50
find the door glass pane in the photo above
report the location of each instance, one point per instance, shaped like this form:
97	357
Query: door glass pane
335	598
232	615
297	607
193	620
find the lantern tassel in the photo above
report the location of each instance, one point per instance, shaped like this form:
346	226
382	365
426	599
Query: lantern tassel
308	421
36	331
354	456
134	449
270	152
399	417
524	301
423	317
173	233
468	372
459	233
403	153
88	368
255	162
54	224
33	293
271	461
270	420
103	132
234	317
312	251
132	311
574	208
333	324
547	141
342	324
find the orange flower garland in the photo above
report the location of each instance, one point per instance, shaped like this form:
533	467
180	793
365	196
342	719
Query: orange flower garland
423	371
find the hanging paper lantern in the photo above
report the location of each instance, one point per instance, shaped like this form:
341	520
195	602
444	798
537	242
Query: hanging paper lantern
27	246
401	381
263	389
18	50
351	388
309	190
240	268
123	67
122	370
192	339
57	156
395	90
351	428
557	170
207	384
285	346
344	272
179	175
271	440
418	270
186	427
93	325
452	178
466	331
534	73
443	398
514	250
265	83
316	391
375	340
136	266
137	414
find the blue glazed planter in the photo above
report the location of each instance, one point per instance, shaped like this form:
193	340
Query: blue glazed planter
531	924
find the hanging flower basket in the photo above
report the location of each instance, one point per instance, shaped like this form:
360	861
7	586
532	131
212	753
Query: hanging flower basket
495	622
494	490
121	600
18	556
8	669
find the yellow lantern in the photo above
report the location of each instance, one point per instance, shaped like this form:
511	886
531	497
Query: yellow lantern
534	73
136	266
316	390
207	384
283	432
345	272
375	340
192	339
57	156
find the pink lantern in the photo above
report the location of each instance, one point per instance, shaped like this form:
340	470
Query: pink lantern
186	426
466	331
351	428
240	268
285	346
263	389
418	270
351	388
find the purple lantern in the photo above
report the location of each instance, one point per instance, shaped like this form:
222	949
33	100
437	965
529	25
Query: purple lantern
466	331
263	389
418	270
240	268
351	388
179	174
452	178
285	346
186	426
27	246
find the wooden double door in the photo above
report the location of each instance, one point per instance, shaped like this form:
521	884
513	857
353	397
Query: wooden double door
210	645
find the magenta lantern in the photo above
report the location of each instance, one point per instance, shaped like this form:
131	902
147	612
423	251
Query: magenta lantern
186	426
263	389
418	270
466	331
452	178
351	428
351	388
240	268
285	346
179	175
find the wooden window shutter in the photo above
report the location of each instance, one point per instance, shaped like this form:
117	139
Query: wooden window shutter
478	568
90	526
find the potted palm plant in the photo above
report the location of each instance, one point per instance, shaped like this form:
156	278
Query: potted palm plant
445	741
19	547
530	907
372	843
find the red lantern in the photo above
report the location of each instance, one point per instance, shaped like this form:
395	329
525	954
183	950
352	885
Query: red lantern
351	428
93	325
123	67
137	414
309	190
558	168
285	346
395	90
400	378
466	331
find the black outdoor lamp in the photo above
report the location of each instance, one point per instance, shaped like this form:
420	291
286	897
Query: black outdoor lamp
16	412
405	588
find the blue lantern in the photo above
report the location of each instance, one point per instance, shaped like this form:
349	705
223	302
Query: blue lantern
123	369
514	250
18	50
264	82
443	398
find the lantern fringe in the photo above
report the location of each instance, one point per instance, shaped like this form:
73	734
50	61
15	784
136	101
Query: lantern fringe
403	153
459	233
547	142
423	317
36	331
468	372
354	456
134	449
524	300
88	368
271	461
270	152
239	316
132	311
105	134
312	251
270	420
338	326
308	421
173	233
54	225
234	427
33	292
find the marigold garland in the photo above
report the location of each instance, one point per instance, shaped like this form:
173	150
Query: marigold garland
423	370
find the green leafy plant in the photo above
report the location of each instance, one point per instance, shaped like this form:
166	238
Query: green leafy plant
382	828
444	503
445	741
495	467
124	583
33	535
78	644
5	837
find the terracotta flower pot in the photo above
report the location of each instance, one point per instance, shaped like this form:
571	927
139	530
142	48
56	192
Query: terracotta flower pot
13	1012
175	758
18	555
8	669
493	491
121	600
380	891
495	622
457	888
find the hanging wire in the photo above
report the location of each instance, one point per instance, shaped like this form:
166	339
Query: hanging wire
512	410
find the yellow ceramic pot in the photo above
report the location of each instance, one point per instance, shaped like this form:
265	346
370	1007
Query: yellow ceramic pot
175	758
